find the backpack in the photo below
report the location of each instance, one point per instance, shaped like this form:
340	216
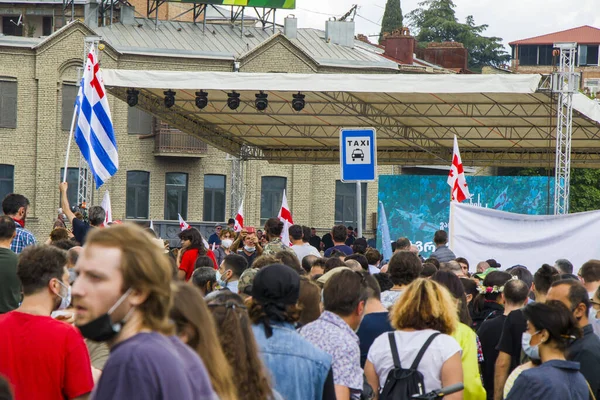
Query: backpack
401	383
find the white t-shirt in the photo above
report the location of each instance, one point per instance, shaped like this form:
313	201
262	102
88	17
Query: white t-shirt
409	343
303	250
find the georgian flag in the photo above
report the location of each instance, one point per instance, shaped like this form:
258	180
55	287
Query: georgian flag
239	219
107	208
182	224
285	216
456	177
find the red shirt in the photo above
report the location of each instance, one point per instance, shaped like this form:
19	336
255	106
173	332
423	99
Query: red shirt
188	261
43	359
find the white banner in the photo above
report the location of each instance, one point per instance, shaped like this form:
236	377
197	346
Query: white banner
479	234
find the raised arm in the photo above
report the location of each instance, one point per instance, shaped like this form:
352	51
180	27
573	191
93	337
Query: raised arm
64	202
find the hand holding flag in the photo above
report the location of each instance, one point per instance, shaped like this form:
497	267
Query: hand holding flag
456	177
285	216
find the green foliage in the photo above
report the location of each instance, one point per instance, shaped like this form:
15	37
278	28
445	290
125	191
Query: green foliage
435	21
584	189
392	17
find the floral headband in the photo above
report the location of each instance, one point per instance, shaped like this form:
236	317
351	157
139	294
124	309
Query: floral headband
493	289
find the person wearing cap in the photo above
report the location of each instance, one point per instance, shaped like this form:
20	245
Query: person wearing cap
245	282
299	370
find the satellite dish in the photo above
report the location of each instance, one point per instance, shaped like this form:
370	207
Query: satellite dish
19	22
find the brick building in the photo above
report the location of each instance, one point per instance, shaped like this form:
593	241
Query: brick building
535	55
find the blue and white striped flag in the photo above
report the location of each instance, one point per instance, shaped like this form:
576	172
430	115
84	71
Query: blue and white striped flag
94	134
384	230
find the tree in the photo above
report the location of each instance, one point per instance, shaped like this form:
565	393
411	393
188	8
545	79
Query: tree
435	21
392	18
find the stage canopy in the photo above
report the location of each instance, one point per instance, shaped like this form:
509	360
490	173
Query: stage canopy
500	120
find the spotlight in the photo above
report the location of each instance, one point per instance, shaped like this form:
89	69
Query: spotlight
298	101
132	97
261	101
201	99
233	100
169	98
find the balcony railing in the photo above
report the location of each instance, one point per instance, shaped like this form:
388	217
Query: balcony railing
172	142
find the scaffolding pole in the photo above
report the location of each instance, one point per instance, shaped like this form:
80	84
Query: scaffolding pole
565	84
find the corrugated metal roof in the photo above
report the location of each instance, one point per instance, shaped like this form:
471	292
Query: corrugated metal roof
584	35
225	41
19	41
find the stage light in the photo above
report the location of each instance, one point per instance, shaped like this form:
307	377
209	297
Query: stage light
169	98
201	99
298	101
261	101
233	100
132	97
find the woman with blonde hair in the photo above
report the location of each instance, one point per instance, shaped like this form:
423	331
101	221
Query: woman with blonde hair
424	318
195	327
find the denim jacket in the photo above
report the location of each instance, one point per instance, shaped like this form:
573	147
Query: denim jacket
298	369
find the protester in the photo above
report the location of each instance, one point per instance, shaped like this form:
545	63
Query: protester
515	297
454	267
373	259
202	262
351	237
564	266
354	265
96	216
327	241
58	234
215	238
241	350
307	263
263	261
245	283
550	328
309	301
542	280
523	274
43	357
360	246
16	206
464	265
428	270
289	258
251	248
318	267
230	270
273	229
205	279
361	259
402	244
122	297
298	368
442	252
332	263
488	303
404	267
425	309
225	242
589	274
464	335
482	266
375	321
194	326
470	291
192	246
344	298
10	285
585	350
300	243
339	235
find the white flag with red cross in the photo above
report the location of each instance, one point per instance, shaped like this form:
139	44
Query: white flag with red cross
239	219
182	224
107	208
456	177
285	216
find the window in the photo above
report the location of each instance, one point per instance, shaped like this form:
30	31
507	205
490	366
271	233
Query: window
546	55
214	198
345	203
69	94
592	55
12	26
7	175
528	55
73	181
138	194
176	195
271	194
8	104
47	26
139	122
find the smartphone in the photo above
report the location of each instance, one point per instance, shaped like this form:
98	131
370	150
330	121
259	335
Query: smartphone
250	229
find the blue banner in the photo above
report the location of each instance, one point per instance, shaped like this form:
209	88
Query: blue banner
418	205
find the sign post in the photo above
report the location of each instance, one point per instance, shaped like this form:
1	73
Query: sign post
358	162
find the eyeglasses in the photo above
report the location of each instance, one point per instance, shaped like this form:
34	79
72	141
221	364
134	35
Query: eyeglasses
218	228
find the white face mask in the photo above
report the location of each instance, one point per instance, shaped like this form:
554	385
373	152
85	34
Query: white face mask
226	243
66	299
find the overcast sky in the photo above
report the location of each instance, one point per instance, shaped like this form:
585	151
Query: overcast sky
508	19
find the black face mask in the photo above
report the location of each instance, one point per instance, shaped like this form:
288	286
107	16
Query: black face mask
102	328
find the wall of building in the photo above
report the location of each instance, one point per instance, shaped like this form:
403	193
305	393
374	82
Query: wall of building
37	146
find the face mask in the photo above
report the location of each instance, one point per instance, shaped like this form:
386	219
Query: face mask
226	243
250	249
102	328
65	300
220	280
592	316
532	352
72	276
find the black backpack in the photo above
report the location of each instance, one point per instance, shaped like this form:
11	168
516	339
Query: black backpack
401	383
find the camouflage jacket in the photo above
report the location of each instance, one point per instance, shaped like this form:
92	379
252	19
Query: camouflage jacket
274	247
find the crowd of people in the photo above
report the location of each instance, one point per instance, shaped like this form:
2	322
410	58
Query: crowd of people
113	312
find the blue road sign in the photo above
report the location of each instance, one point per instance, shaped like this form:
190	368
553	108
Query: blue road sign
358	154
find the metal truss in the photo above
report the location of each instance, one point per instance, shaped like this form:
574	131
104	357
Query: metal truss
565	84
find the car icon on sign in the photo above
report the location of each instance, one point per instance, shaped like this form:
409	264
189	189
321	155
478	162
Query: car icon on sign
358	153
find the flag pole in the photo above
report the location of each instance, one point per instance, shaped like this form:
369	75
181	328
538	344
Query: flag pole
69	146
